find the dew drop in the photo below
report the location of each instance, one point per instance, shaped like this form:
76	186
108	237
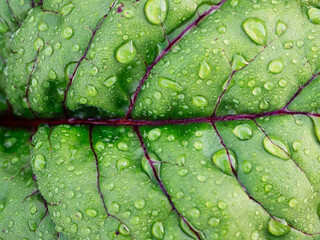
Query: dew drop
52	74
276	66
92	91
39	162
243	132
122	163
277	228
158	230
124	230
276	147
126	52
255	28
67	32
154	134
170	84
314	15
199	101
43	27
247	166
204	69
316	126
139	204
214	222
66	9
91	212
238	62
156	11
281	28
221	161
110	81
38	43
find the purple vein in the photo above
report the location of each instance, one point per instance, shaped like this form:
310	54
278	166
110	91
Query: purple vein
233	73
29	83
160	183
12	14
71	78
300	89
98	179
98	171
168	49
245	189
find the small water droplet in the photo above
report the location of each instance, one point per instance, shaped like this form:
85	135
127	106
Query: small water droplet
52	74
194	212
92	91
38	43
43	27
204	69
154	134
247	166
122	163
199	101
314	15
276	66
214	222
126	52
110	81
67	32
139	204
124	230
91	212
39	162
66	9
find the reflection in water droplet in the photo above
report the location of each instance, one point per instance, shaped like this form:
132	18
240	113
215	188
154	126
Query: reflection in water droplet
314	15
199	101
243	131
67	32
276	66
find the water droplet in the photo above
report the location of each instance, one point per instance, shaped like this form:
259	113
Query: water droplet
277	228
126	52
276	147
74	228
281	28
314	15
91	212
48	50
168	83
110	81
222	205
204	70
276	66
43	27
122	163
293	203
255	28
9	142
238	62
14	160
83	100
32	225
247	166
154	134
139	204
243	132
78	215
67	32
264	104
92	91
198	145
194	212
38	43
255	235
288	45
39	162
124	230
158	230
52	74
156	11
221	161
214	222
66	9
199	101
123	146
234	3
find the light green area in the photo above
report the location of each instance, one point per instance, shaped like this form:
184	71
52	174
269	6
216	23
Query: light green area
22	215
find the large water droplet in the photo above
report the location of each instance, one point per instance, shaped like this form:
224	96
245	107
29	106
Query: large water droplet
126	52
204	70
243	131
139	204
238	62
38	43
314	15
158	230
221	161
168	83
110	81
281	28
43	27
276	147
91	212
67	32
154	134
39	162
277	228
156	11
124	230
255	28
214	222
276	66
